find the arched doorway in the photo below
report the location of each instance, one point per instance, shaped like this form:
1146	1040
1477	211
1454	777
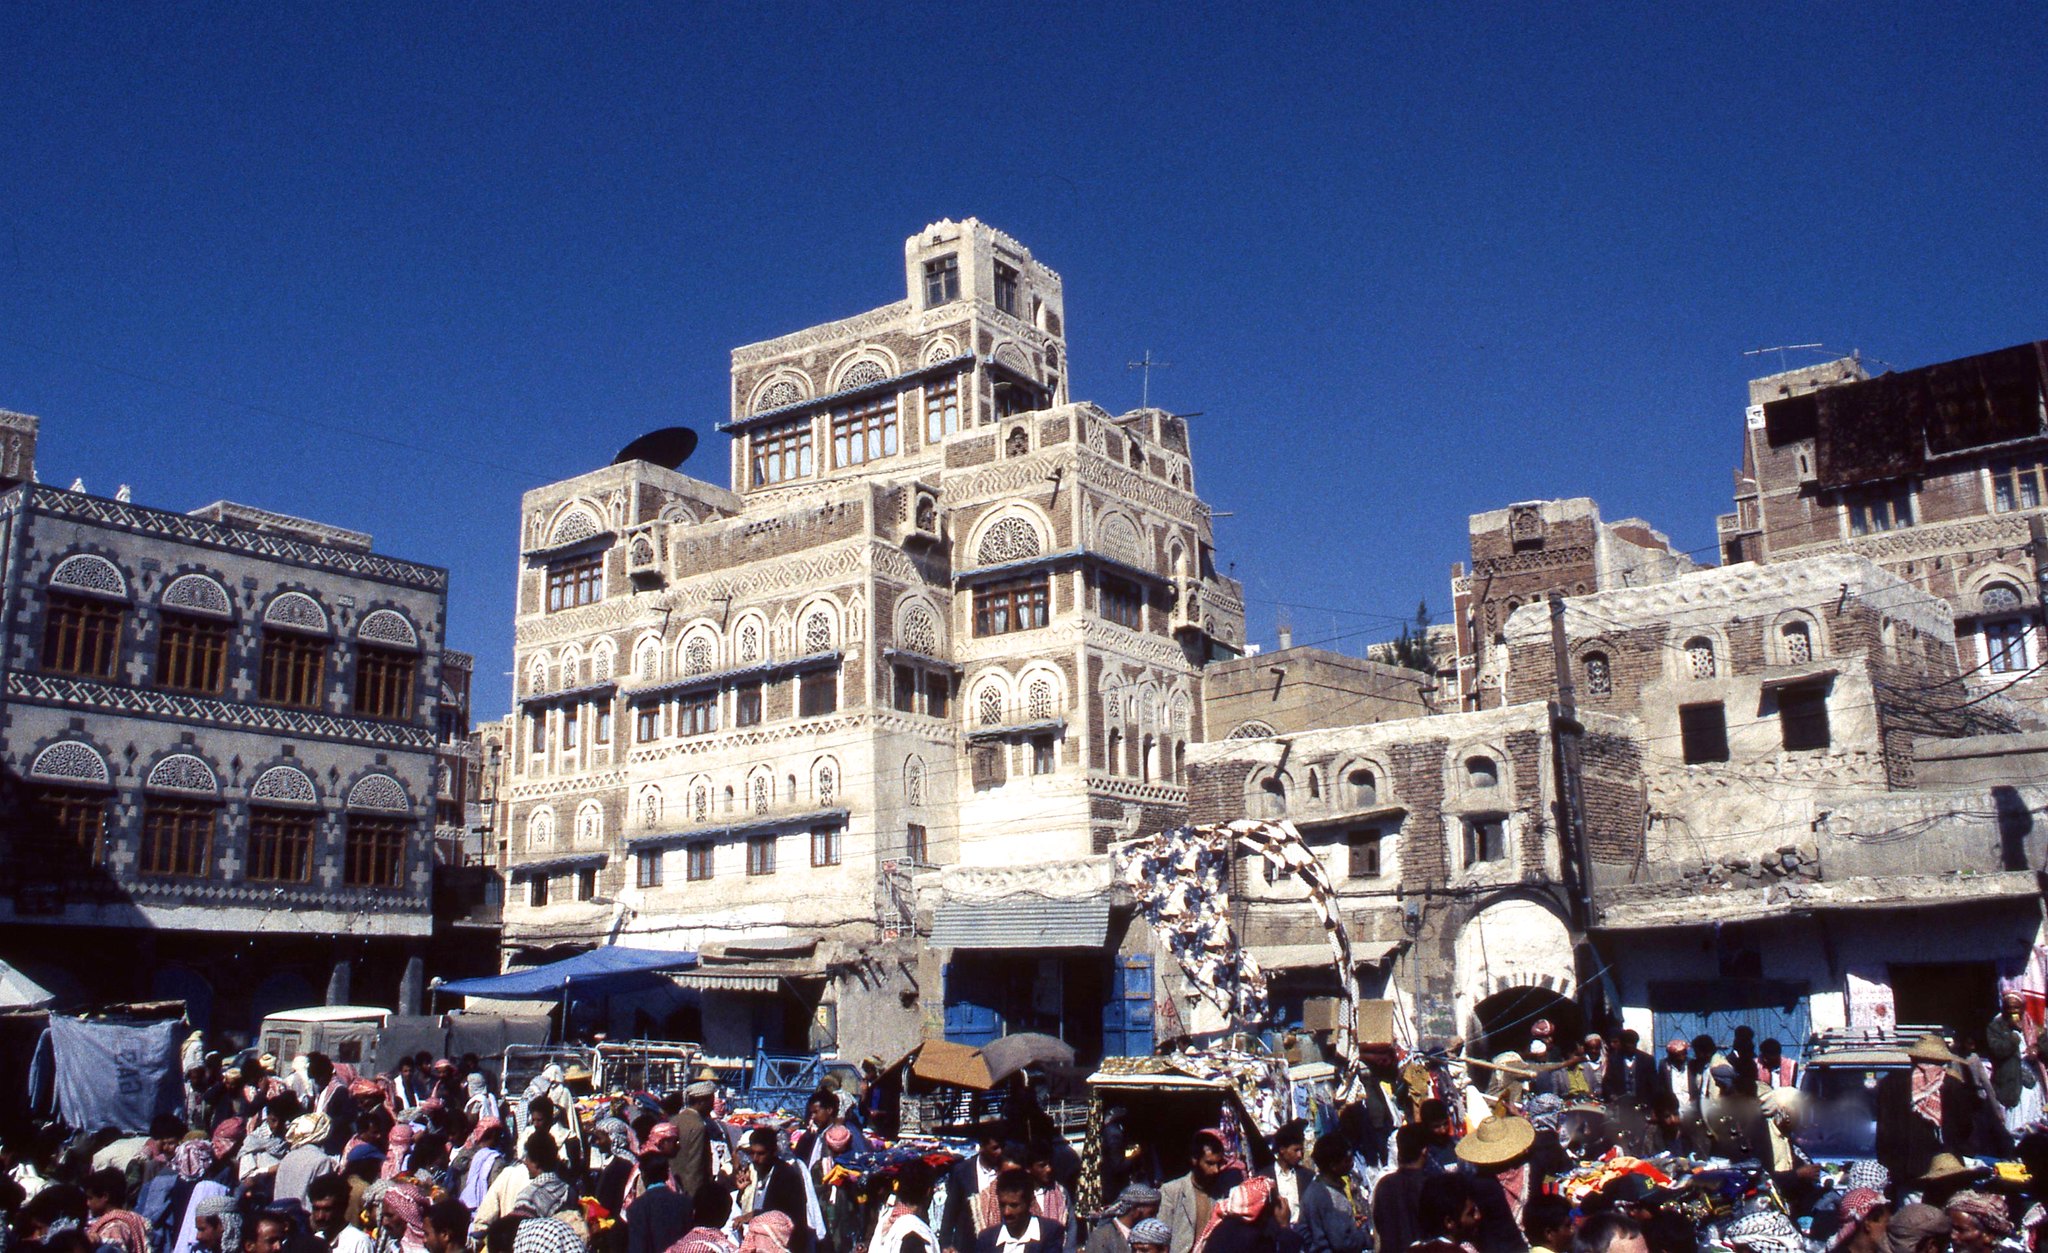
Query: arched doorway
1514	966
1507	1018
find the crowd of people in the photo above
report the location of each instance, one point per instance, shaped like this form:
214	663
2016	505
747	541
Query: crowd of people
1592	1146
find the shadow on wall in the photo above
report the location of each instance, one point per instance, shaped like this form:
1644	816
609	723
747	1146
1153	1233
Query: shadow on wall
2015	824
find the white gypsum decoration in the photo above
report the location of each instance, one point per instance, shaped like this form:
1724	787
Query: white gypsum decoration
1180	879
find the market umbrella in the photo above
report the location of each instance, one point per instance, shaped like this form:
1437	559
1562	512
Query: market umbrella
18	991
981	1069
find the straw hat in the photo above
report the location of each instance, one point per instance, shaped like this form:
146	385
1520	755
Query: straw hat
576	1074
1946	1166
1497	1141
1929	1048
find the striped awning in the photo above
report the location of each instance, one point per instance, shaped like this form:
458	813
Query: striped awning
1029	924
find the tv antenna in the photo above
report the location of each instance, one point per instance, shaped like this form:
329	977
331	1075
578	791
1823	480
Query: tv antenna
1147	364
1782	349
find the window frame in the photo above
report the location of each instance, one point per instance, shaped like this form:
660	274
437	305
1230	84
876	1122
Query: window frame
647	869
601	732
942	279
75	624
186	816
1003	608
700	861
1120	601
941	408
291	668
1045	754
537	889
373	842
866	431
749	704
385	680
60	834
586	883
782	453
1479	830
817	693
1006	288
1365	857
192	653
1697	742
917	844
1805	728
278	835
2014	479
1878	510
760	856
825	845
697	713
574	582
646	722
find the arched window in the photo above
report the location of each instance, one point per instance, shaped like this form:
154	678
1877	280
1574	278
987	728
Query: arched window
1798	641
1315	784
1481	771
1699	657
647	659
650	808
750	642
1039	699
825	784
1272	797
1599	676
697	655
921	632
1361	787
1180	762
913	782
818	632
989	705
2005	637
760	793
1011	538
1019	443
1145	752
589	822
602	661
1113	758
540	828
537	674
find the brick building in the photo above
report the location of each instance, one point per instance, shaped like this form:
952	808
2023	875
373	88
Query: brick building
936	648
1792	815
218	745
1528	553
1937	474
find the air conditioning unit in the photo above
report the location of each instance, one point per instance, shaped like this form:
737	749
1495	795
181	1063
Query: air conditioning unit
646	544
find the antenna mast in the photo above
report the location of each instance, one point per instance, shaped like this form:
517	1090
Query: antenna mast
1147	364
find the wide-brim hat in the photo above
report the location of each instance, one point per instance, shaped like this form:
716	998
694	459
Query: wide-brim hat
1947	1166
1497	1140
576	1074
1929	1048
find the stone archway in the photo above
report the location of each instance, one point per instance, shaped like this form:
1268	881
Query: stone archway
1514	963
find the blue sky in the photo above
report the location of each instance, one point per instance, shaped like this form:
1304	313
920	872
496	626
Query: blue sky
387	266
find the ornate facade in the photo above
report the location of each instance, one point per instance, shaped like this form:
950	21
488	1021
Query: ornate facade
217	726
944	617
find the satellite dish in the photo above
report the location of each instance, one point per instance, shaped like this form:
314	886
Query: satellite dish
670	446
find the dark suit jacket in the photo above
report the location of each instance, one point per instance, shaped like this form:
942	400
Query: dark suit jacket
956	1226
656	1219
1498	1231
786	1193
1906	1142
689	1167
1052	1239
1631	1075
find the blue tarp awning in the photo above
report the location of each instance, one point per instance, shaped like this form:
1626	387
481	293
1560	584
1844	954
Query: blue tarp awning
604	970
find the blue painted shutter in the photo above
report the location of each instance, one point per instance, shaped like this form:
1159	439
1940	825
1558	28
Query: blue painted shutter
1127	1017
967	1022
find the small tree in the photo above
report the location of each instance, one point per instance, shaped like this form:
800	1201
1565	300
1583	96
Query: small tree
1411	649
